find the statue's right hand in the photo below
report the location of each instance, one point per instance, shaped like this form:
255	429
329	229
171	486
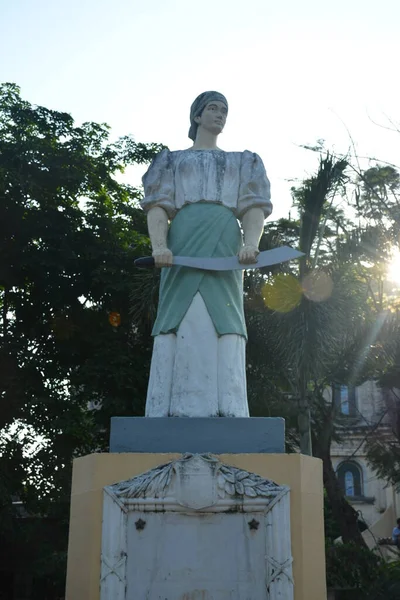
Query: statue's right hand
163	257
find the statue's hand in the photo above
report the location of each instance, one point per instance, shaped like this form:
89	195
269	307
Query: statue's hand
248	254
163	257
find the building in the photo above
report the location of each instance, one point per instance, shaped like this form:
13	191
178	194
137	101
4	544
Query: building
361	411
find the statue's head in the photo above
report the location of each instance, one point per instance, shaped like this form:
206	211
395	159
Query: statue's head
209	110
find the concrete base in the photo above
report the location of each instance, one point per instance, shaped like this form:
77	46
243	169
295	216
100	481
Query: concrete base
198	435
302	474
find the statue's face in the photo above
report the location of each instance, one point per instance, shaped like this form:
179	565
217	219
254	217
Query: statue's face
213	117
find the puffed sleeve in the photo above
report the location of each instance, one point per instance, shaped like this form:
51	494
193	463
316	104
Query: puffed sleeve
254	188
158	183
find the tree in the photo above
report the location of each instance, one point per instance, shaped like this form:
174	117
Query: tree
376	201
312	324
67	341
303	329
383	447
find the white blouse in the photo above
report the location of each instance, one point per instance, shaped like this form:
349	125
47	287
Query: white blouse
235	179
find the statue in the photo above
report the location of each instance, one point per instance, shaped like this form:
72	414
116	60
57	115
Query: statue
198	365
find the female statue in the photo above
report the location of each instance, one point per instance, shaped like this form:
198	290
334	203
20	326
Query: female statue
198	364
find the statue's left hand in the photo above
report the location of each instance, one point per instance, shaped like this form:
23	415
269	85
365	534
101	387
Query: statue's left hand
248	254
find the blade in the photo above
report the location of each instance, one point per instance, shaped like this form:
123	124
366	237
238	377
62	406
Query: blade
231	263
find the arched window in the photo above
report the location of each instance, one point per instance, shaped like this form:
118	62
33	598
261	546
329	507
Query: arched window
349	483
350	479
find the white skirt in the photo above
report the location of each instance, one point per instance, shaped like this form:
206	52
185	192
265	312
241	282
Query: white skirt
196	373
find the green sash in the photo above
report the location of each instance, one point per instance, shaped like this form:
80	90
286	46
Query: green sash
202	229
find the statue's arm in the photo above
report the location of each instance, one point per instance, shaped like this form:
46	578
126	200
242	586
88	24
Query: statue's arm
157	224
253	225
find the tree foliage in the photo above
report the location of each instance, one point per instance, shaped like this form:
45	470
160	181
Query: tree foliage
359	574
310	325
377	203
67	227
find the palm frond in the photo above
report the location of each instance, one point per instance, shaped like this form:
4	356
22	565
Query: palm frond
144	297
312	196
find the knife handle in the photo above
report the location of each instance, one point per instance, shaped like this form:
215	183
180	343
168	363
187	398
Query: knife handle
145	262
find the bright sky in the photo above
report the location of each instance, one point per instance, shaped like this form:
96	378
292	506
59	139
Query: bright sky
292	70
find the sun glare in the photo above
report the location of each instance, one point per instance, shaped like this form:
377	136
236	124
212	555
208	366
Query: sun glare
393	272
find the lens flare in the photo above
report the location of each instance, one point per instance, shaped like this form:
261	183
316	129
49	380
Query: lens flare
317	286
282	293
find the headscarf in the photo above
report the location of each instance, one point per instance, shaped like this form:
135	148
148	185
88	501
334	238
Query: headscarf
199	105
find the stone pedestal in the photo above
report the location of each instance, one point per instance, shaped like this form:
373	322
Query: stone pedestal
303	475
198	435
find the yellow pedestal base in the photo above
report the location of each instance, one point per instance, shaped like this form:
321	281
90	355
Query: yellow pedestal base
302	474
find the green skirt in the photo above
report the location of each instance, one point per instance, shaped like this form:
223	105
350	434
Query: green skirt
202	229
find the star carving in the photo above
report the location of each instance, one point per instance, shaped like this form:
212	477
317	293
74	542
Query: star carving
253	524
140	524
